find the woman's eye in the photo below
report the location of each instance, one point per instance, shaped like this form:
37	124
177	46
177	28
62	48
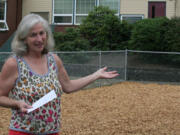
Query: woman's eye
42	33
33	34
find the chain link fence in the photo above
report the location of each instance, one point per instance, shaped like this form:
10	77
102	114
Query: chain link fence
131	65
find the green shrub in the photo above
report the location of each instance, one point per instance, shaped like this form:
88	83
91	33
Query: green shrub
104	30
71	40
148	35
172	36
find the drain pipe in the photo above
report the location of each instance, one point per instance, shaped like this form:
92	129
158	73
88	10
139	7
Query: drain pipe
175	7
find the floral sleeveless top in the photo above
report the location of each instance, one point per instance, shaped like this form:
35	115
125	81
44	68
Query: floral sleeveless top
30	87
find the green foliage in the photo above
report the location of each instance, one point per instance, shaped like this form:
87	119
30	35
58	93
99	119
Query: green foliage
71	40
148	35
172	36
104	30
160	34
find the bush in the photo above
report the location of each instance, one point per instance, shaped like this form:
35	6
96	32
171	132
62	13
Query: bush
172	36
71	40
149	34
104	30
172	39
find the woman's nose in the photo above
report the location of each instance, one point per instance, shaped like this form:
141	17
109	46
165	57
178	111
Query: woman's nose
39	37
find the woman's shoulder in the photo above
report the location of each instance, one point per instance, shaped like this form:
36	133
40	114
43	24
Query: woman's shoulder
55	56
11	62
10	66
57	59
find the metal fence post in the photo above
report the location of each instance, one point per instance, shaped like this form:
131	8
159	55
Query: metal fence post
100	65
125	67
100	59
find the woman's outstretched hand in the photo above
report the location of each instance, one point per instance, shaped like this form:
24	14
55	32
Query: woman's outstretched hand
103	74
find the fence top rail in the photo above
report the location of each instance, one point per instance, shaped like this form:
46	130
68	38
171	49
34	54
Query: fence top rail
89	51
6	52
115	51
156	52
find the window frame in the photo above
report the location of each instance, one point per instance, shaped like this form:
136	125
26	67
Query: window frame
4	20
131	15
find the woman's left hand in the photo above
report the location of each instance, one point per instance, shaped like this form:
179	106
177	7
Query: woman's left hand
103	74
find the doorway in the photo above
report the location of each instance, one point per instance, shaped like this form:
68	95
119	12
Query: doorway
156	9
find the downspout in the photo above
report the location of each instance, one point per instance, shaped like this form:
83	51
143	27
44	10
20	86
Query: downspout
119	9
18	12
175	2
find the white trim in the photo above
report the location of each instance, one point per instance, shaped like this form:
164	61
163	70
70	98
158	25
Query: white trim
52	12
64	15
75	7
4	21
83	15
131	15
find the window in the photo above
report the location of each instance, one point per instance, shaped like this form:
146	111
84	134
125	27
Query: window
132	18
3	24
112	4
63	11
83	7
74	11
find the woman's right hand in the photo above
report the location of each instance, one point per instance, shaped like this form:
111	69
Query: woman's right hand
23	107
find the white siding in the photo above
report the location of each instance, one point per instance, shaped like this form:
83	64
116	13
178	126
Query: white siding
170	8
177	7
30	6
134	7
141	7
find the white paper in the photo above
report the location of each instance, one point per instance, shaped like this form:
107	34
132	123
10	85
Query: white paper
45	99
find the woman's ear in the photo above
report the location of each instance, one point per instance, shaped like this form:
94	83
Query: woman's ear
25	41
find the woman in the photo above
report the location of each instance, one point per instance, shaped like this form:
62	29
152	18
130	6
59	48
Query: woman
31	74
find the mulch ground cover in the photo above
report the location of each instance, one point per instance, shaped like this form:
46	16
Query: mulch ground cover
127	108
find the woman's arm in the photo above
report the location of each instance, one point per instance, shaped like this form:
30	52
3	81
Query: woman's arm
69	86
8	76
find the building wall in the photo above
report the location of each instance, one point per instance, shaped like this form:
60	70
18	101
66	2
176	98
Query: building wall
134	7
170	8
13	18
126	7
177	3
38	6
141	7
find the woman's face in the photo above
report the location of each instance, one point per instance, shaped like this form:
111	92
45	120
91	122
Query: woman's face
36	39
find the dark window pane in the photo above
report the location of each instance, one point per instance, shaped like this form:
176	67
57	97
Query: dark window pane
63	19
